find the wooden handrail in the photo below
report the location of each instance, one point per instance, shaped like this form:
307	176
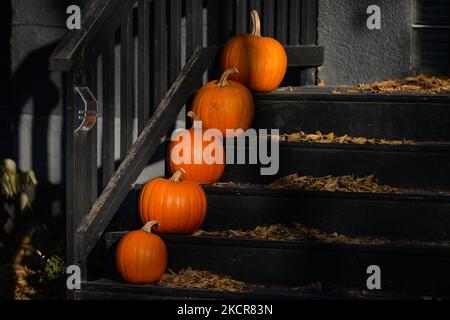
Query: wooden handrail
95	222
94	15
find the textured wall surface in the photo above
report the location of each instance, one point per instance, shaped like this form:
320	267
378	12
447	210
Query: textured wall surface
37	93
353	53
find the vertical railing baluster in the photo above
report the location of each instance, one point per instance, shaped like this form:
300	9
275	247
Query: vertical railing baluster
255	5
160	52
294	22
213	33
268	15
126	85
194	24
240	15
175	39
225	20
213	23
144	71
282	21
194	27
92	138
309	35
108	110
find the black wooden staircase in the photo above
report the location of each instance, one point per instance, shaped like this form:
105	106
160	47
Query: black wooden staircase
414	257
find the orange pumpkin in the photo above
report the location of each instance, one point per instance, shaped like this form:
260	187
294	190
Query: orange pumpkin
202	159
179	206
224	104
261	61
141	257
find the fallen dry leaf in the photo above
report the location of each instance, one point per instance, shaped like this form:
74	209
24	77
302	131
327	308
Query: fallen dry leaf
280	232
368	184
194	279
318	137
422	83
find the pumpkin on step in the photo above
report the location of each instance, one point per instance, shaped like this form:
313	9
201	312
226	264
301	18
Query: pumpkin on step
179	206
199	153
224	104
261	61
141	257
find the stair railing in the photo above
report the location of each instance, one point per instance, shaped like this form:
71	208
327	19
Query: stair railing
120	66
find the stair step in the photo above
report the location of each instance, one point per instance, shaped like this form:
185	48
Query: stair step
420	216
113	290
413	216
419	166
108	289
418	117
404	266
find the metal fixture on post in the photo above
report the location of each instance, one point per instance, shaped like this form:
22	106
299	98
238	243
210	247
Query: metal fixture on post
85	106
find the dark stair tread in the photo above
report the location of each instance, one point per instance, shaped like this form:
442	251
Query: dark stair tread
416	146
392	247
423	165
420	117
419	215
106	288
288	263
413	146
435	196
326	93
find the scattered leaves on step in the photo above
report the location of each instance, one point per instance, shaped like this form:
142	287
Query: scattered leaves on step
318	137
368	184
280	232
285	89
194	279
422	83
336	91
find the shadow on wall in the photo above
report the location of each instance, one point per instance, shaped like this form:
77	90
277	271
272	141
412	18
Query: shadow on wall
32	81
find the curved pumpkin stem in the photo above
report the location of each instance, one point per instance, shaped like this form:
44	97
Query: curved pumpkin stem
149	225
177	175
223	82
197	121
256	31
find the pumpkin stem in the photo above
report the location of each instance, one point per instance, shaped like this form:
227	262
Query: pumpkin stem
177	175
223	82
256	31
195	118
149	225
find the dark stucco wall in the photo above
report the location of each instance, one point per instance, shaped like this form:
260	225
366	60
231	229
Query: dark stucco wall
353	53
